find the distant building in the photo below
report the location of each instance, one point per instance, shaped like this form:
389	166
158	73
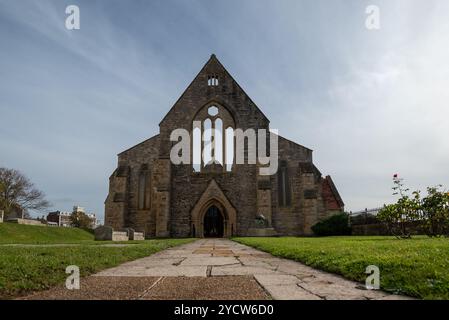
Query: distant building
62	219
78	209
93	219
92	216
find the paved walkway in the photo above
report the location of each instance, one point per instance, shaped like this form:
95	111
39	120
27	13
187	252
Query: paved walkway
215	269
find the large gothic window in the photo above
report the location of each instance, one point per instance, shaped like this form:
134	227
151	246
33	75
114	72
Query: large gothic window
213	138
284	194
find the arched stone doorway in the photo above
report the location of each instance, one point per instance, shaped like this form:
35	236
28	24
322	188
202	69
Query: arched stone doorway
213	224
213	196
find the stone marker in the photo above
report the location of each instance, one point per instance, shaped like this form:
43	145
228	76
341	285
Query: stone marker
133	235
103	233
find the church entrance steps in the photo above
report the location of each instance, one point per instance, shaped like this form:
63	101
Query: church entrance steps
215	269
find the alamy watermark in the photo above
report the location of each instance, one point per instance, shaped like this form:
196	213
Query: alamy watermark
372	21
212	149
72	22
73	280
372	282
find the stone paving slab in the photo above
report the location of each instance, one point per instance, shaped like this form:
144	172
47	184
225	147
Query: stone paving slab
211	288
157	271
240	270
99	288
289	292
209	261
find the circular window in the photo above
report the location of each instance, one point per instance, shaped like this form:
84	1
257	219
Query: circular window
212	111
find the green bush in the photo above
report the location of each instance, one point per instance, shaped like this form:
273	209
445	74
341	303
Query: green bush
336	225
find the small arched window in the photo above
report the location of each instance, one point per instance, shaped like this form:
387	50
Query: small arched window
212	80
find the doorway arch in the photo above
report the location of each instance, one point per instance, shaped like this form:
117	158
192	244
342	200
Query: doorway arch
213	196
213	223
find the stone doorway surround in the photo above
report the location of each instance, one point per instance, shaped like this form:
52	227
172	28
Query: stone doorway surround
213	223
213	196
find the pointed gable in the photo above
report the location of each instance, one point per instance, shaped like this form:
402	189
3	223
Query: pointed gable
331	196
215	83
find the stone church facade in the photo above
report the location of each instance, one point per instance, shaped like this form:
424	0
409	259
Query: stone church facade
149	193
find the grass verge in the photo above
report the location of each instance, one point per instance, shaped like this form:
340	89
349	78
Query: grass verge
417	267
27	269
19	233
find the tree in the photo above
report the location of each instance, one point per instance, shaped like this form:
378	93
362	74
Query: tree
430	213
79	219
18	192
435	209
399	217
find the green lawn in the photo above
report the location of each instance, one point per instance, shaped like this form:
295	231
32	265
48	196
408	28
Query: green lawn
19	233
417	267
27	269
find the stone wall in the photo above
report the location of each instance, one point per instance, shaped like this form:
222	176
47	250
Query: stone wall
369	230
27	222
305	207
121	207
188	186
107	233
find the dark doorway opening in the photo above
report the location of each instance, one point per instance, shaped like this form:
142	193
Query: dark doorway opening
213	223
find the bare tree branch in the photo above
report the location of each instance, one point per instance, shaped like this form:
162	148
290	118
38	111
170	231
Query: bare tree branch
18	192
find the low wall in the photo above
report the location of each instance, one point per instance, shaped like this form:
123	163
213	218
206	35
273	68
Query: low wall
261	232
369	230
27	222
379	229
119	236
133	235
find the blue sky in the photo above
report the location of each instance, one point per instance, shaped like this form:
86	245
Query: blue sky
369	103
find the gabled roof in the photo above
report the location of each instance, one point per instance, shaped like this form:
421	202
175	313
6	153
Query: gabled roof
293	142
335	191
140	143
213	59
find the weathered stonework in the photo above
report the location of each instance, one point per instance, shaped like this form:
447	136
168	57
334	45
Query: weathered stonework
104	233
150	194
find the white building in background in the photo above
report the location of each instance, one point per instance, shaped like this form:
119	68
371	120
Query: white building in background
62	219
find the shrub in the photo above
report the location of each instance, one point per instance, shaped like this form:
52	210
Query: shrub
336	225
435	212
430	213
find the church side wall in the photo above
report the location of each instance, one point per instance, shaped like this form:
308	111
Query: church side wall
136	159
290	220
